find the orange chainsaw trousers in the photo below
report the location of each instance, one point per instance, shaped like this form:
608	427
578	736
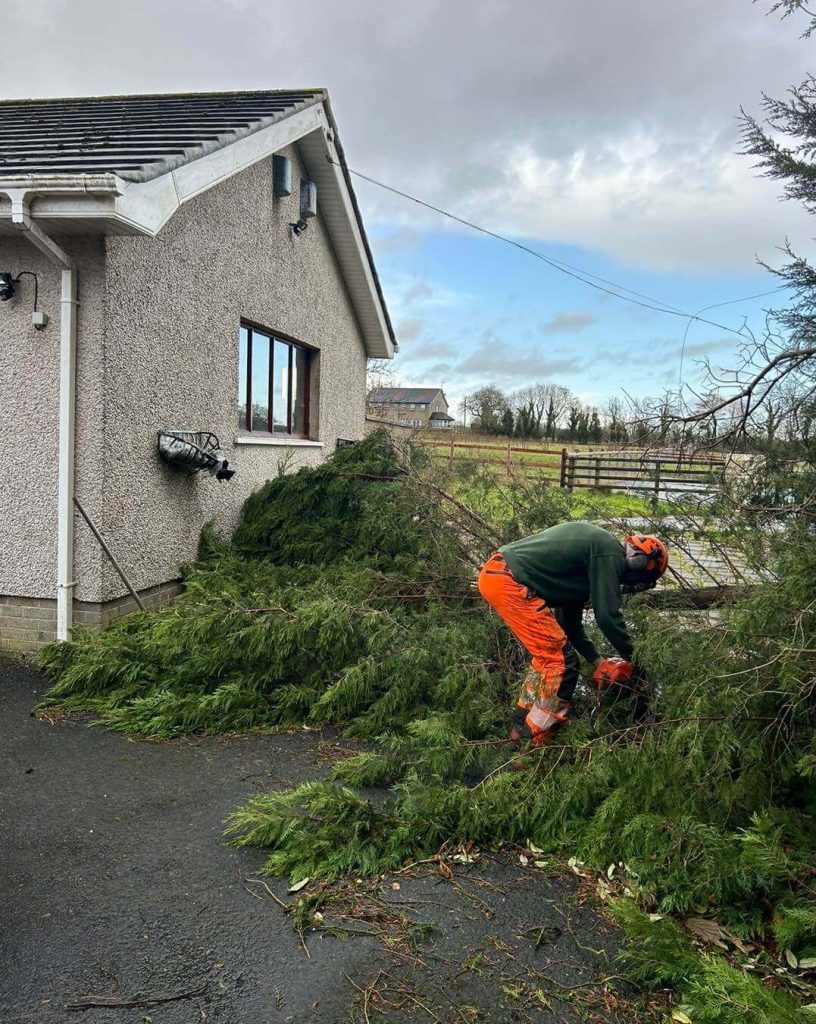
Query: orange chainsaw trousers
534	625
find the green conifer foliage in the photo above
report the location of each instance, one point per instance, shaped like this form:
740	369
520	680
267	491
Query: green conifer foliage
346	597
659	954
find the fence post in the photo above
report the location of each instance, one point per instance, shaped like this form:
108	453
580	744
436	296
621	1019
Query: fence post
571	472
657	480
597	473
563	480
453	438
508	458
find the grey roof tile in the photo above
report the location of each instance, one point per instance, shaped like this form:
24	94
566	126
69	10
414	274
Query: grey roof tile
399	396
136	137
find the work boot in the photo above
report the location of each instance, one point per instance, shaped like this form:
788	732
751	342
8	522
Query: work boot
545	721
520	730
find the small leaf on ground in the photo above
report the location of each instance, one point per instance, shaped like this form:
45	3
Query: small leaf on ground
703	928
297	886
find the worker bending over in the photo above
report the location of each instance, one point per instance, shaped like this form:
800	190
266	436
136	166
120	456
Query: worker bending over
540	585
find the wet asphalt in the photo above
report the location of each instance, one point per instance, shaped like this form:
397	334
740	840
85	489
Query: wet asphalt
116	884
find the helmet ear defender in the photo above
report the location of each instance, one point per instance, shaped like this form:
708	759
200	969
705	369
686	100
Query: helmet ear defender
645	557
636	561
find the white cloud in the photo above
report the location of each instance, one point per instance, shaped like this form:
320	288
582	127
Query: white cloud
650	203
408	329
610	126
568	323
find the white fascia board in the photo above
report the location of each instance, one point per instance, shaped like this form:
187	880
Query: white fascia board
338	214
60	206
150	204
65	197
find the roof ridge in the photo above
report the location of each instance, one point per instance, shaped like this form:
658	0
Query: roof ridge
407	388
162	95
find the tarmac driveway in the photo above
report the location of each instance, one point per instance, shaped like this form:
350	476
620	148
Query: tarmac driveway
116	887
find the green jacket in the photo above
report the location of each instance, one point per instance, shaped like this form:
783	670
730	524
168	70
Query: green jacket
568	565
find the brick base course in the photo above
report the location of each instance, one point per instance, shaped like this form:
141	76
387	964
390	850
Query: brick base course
28	623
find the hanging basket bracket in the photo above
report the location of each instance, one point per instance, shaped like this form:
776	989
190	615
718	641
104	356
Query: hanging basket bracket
194	450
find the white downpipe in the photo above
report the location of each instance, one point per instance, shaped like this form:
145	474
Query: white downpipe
65	497
21	218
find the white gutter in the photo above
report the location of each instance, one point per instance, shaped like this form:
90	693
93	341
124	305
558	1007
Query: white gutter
21	218
94	184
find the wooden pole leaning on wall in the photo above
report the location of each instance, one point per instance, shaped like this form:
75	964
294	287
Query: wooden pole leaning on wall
110	555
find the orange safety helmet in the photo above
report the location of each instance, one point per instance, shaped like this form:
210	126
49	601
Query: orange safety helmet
647	558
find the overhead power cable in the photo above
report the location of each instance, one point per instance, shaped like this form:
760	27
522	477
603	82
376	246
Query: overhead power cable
716	305
584	276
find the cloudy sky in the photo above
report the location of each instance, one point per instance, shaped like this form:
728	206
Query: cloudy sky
601	134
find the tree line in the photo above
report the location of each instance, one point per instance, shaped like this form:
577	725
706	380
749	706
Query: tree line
552	412
546	412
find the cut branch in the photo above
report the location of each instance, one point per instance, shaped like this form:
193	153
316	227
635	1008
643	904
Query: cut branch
136	1002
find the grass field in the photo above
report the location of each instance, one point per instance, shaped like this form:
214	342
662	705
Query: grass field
631	471
499	496
533	458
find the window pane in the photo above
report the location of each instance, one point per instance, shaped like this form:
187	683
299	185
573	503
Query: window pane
243	352
260	381
300	397
280	388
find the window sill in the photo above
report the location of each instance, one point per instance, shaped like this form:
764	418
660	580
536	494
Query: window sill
280	442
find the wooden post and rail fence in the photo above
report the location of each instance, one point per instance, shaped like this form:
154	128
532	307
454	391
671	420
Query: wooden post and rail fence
657	472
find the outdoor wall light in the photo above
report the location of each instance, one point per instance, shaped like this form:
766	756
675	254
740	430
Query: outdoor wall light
8	289
298	227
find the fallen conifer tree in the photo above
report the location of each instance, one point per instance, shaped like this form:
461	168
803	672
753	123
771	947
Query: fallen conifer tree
346	597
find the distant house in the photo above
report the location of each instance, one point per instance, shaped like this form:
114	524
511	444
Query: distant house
167	263
411	407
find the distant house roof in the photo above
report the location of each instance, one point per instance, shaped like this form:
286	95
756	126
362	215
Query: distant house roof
441	417
124	165
402	396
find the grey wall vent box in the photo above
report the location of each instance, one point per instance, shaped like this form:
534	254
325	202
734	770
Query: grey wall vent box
308	199
281	176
